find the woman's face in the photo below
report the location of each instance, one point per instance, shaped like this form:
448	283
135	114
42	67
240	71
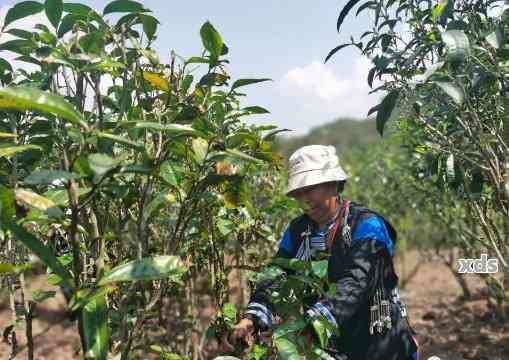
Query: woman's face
320	201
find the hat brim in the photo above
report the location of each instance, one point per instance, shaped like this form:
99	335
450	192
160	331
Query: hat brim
314	177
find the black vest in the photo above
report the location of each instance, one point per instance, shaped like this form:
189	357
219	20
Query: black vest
340	247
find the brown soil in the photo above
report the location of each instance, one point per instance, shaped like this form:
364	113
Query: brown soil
449	327
446	326
55	336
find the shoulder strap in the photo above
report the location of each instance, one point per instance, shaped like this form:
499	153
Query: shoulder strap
338	224
297	226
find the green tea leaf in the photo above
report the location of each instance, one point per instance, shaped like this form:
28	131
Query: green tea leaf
7	207
235	193
23	98
186	83
256	110
22	10
93	43
68	23
37	201
11	150
6	268
213	79
319	268
129	19
29	59
268	273
5	66
43	252
79	9
344	12
174	128
272	135
54	280
229	313
197	60
61	197
149	25
292	264
244	82
287	350
100	164
289	327
54	10
240	155
438	10
385	110
95	326
168	174
156	203
49	176
258	352
27	35
157	81
121	140
200	148
18	46
320	331
136	169
211	40
335	50
153	268
83	296
225	226
123	6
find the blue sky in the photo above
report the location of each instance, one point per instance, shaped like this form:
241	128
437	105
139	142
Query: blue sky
280	39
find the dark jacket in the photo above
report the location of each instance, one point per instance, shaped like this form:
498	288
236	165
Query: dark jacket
358	267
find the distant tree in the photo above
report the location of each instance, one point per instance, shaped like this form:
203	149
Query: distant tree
443	67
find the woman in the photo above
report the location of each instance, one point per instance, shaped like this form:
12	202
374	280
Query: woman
366	308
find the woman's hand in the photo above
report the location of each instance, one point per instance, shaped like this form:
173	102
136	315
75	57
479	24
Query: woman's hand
243	329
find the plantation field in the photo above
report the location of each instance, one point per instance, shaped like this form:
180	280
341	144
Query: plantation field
447	327
152	195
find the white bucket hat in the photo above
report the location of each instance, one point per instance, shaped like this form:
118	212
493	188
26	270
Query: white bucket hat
314	164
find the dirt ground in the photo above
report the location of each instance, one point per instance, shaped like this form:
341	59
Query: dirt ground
447	327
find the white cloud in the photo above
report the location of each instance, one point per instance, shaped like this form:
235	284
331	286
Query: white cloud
317	80
326	92
322	82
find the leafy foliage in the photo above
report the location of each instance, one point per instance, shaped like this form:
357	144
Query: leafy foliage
449	69
130	179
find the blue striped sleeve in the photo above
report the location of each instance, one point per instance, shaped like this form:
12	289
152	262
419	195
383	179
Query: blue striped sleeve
261	312
373	228
320	310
